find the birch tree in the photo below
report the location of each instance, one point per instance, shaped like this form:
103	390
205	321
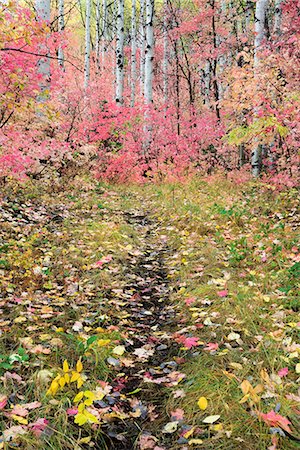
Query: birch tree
43	14
278	17
166	54
120	53
142	44
97	36
149	53
133	52
61	27
260	34
87	43
104	31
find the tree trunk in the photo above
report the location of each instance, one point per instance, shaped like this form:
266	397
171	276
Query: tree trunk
142	45
149	52
120	53
97	37
260	34
43	14
133	51
61	27
278	17
104	31
87	43
166	55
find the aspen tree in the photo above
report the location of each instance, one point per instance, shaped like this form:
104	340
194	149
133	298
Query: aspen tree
120	53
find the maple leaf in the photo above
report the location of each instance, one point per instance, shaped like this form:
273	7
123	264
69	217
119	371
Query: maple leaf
272	419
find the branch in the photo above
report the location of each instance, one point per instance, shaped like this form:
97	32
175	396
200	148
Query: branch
10	49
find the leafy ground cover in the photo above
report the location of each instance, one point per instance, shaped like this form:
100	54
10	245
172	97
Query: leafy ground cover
152	317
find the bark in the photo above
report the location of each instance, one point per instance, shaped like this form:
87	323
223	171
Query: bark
61	27
97	37
214	62
133	52
142	44
165	56
278	17
104	31
120	53
43	65
149	53
260	34
87	43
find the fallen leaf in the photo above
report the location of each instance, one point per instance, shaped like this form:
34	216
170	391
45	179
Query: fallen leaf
202	403
211	419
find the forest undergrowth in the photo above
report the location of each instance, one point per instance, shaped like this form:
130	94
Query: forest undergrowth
149	317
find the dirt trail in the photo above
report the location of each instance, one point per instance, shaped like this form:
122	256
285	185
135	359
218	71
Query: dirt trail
143	385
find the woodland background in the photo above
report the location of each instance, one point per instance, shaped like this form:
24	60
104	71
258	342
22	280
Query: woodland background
136	91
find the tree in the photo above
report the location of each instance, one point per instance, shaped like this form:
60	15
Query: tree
87	43
43	15
149	53
133	51
260	35
120	53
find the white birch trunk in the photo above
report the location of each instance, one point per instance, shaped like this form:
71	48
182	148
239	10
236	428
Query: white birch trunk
260	34
120	53
142	44
43	14
97	37
133	52
278	17
87	44
165	56
61	27
104	31
149	53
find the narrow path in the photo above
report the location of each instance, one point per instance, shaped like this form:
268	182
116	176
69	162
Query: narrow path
142	386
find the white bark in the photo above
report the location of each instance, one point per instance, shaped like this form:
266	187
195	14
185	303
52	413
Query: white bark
133	51
166	55
278	17
104	30
120	53
87	43
260	34
260	28
61	27
43	14
149	53
142	44
97	37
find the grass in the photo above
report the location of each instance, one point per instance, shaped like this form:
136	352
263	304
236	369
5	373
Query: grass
221	237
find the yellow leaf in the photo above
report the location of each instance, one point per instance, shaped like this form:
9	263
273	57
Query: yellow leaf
85	440
19	419
80	419
195	441
244	399
78	397
103	342
62	382
91	417
67	378
65	366
297	368
79	382
189	433
119	350
79	366
245	386
74	377
202	403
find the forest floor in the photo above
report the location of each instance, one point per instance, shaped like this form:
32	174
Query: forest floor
149	317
